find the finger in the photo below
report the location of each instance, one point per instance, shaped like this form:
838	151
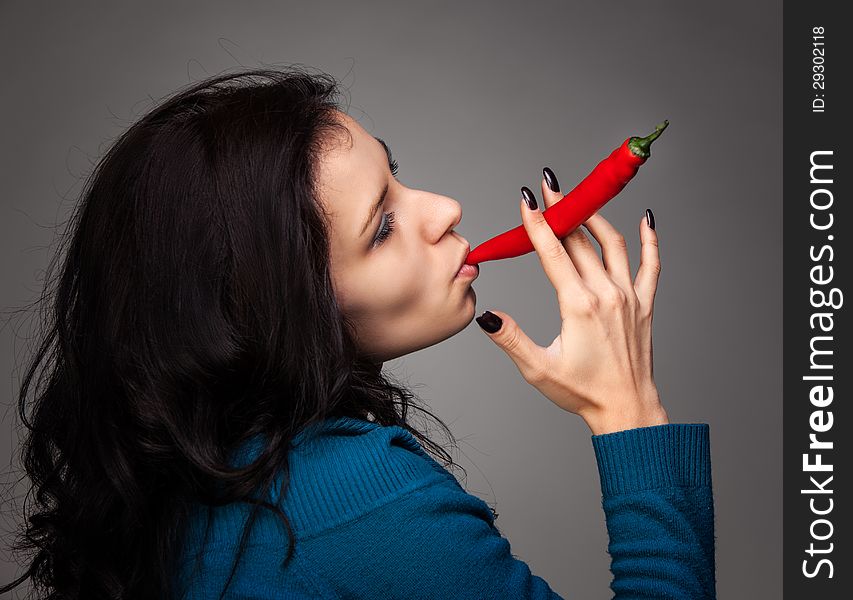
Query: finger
550	191
527	355
646	282
577	244
613	249
555	261
585	258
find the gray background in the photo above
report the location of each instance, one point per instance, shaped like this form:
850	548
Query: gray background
475	98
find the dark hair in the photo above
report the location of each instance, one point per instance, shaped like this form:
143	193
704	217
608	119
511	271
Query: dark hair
193	310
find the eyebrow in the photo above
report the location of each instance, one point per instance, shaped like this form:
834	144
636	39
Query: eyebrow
381	200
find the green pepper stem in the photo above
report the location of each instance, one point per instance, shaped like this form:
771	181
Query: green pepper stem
640	146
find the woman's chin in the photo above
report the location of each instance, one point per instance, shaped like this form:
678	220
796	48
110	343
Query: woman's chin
471	298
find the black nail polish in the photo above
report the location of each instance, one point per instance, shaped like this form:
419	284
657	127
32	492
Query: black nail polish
489	322
650	218
551	179
529	198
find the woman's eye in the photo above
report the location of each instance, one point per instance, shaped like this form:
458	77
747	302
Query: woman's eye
385	229
387	226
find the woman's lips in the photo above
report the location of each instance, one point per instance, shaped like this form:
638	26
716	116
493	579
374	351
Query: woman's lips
469	271
465	270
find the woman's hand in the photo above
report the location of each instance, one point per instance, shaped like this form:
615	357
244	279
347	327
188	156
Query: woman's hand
600	365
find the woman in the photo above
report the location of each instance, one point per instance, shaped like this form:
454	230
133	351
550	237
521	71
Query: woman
211	418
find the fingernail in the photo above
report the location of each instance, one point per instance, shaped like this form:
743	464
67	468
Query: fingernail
551	179
489	322
529	198
650	218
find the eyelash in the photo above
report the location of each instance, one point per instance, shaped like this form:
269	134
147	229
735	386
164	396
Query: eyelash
388	227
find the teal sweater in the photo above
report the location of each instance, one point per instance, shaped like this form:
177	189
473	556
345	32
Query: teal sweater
376	517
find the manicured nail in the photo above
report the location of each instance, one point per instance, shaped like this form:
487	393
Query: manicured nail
551	179
650	218
489	322
529	198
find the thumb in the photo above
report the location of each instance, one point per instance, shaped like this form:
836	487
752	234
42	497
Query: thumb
505	332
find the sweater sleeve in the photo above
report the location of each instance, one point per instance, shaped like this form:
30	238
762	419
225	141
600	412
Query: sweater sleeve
659	509
438	541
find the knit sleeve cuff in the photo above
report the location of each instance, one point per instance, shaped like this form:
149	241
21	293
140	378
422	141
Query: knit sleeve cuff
670	455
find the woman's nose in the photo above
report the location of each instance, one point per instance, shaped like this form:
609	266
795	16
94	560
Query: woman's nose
456	212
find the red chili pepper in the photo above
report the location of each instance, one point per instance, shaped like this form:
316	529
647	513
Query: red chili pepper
605	181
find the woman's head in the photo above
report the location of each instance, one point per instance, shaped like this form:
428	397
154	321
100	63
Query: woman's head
393	265
211	286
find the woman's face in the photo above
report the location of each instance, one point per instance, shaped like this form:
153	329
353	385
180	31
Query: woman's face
393	270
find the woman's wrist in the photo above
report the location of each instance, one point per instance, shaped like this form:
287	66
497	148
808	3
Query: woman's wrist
620	420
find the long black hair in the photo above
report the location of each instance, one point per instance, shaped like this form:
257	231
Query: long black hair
192	310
